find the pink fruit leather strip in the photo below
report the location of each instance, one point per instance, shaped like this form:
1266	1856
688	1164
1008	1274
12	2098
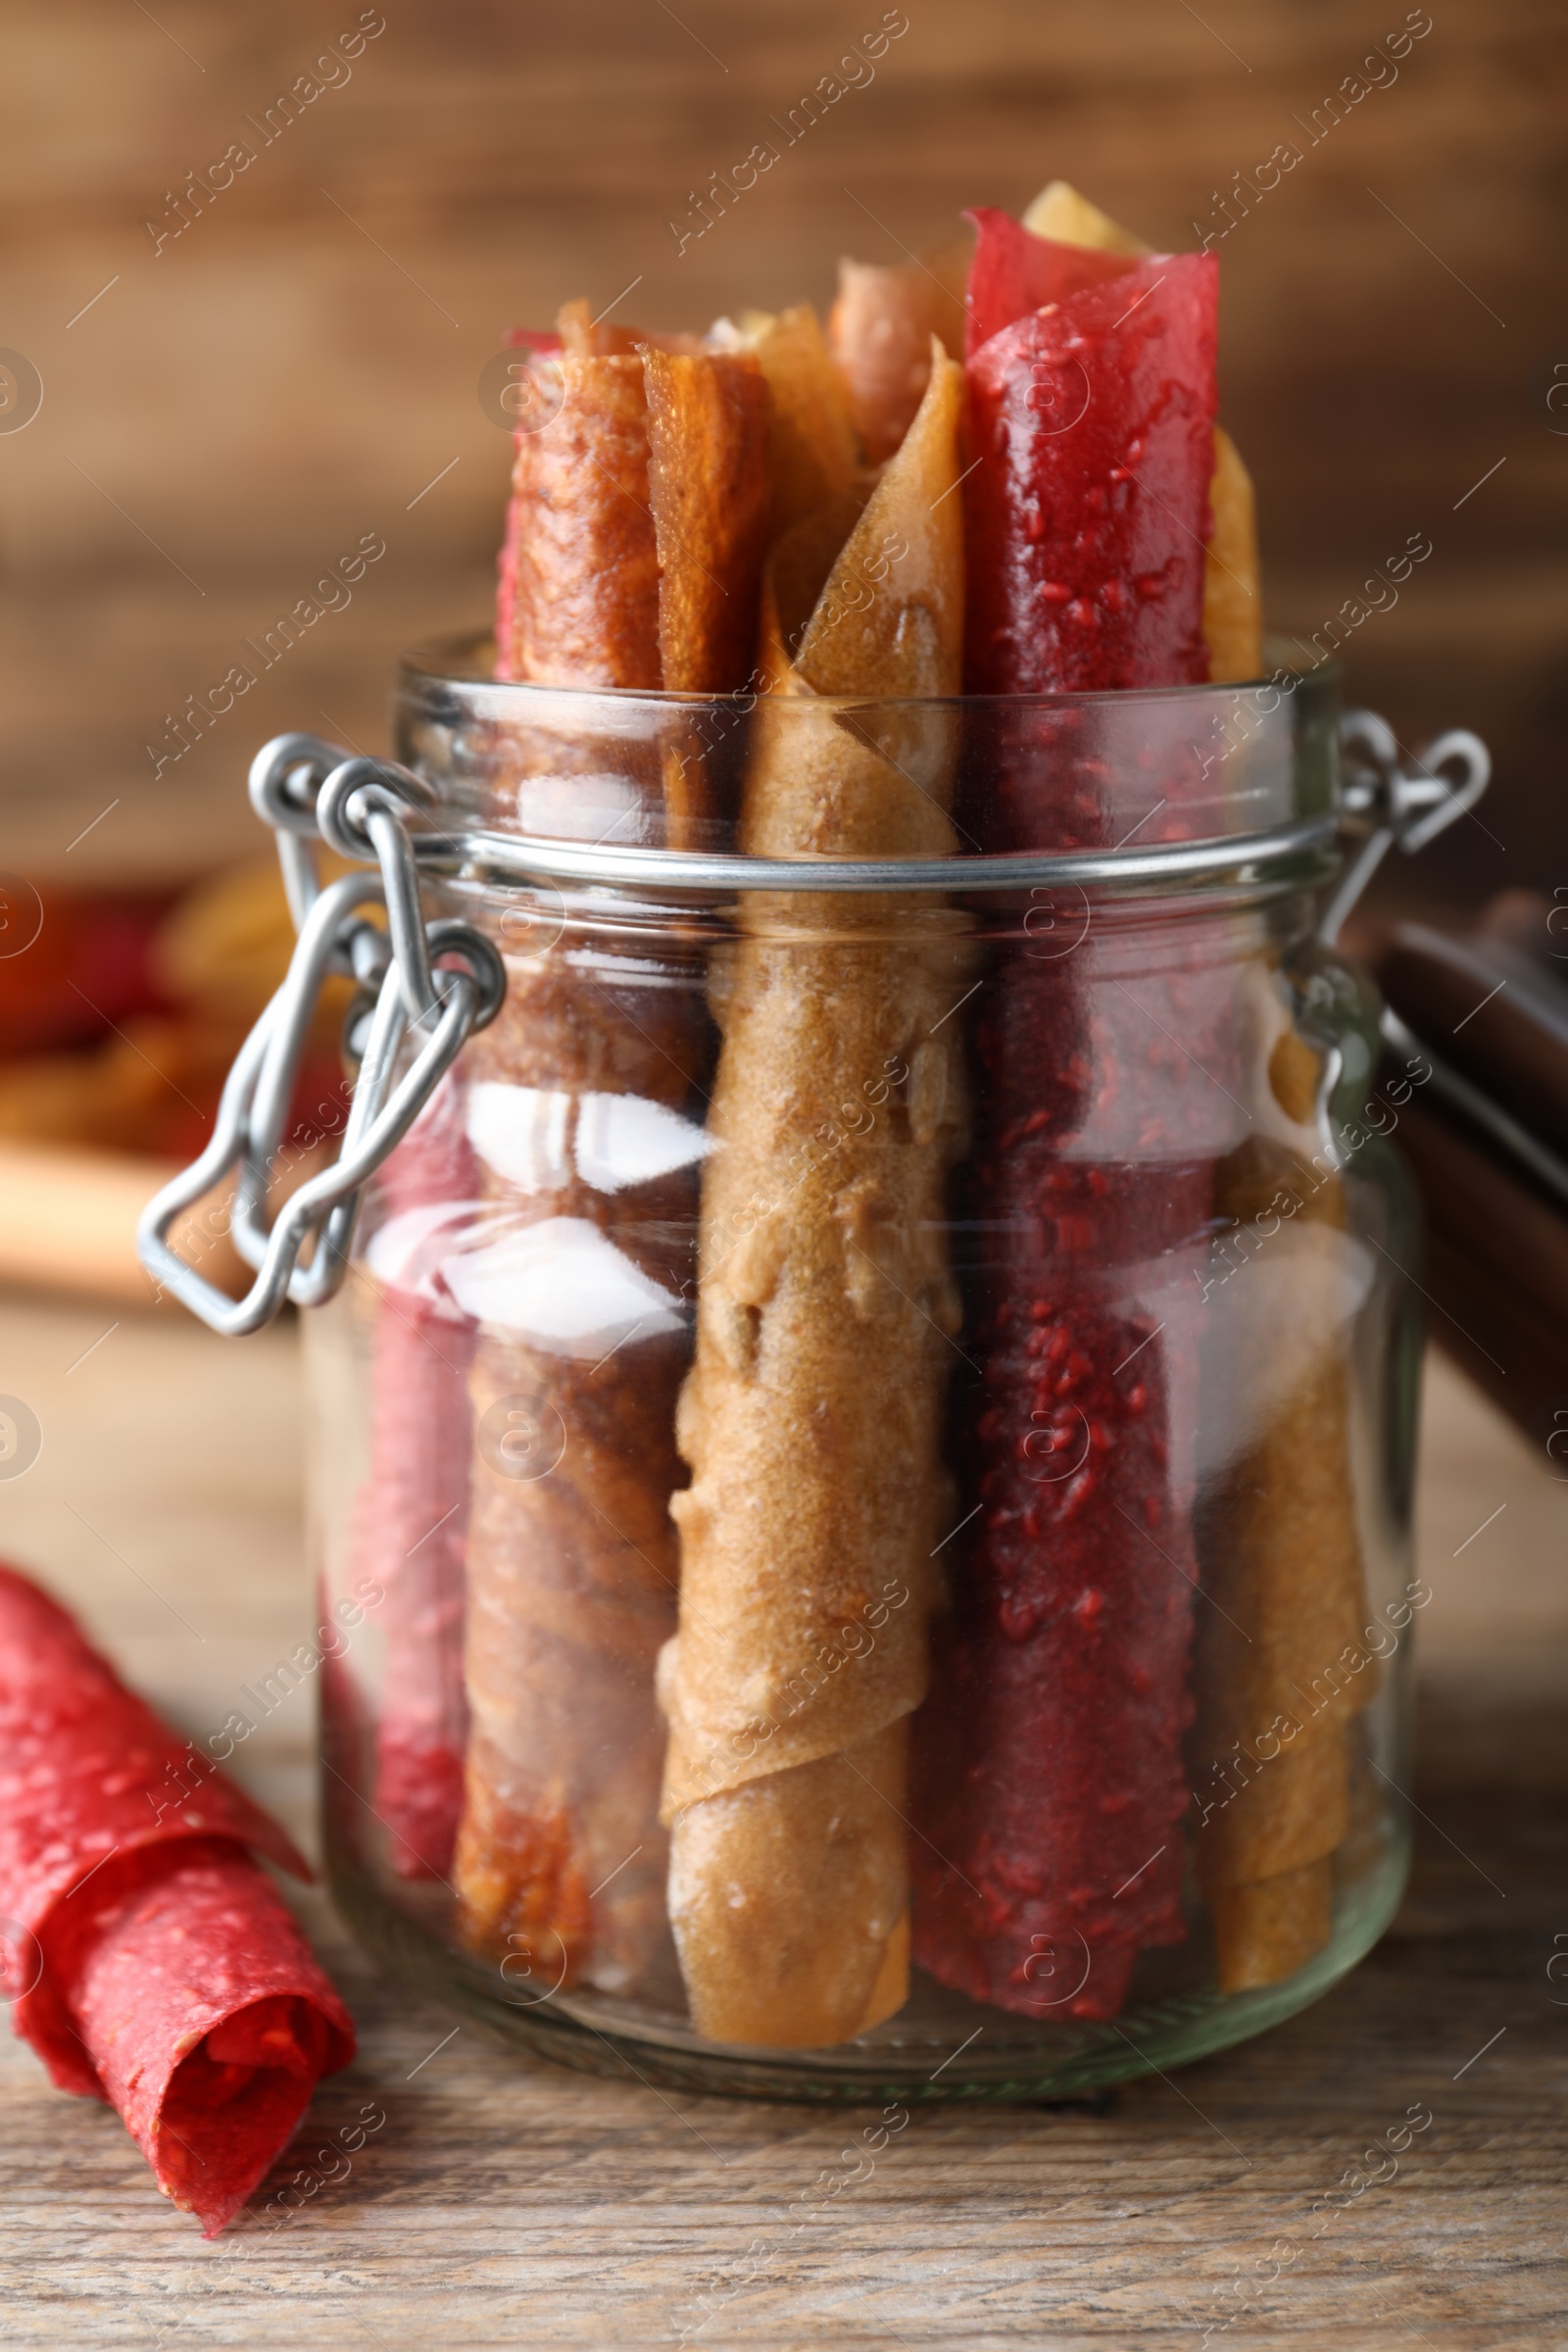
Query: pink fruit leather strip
1087	512
412	1518
152	1963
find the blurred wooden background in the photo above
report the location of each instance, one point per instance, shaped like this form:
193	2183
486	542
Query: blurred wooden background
229	414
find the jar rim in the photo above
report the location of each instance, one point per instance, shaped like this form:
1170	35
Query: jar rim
466	658
1274	828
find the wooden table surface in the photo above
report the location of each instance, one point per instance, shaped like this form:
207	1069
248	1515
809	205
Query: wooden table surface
508	2202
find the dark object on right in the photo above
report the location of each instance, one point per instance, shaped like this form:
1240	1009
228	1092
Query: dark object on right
1490	1009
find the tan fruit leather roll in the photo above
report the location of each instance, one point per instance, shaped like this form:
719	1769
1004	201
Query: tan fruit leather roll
1233	604
812	1419
812	452
1283	1567
572	1574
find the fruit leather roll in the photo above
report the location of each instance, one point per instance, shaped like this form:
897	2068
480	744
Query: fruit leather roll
811	1418
634	552
412	1516
149	1961
1091	414
1279	1670
1054	1784
1233	601
880	329
581	1108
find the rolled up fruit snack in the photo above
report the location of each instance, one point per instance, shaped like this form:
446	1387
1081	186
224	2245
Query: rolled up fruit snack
1233	601
880	330
634	557
411	1517
811	1418
1279	1672
150	1962
787	1869
1054	1783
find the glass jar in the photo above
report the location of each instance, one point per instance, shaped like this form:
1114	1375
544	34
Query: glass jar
867	1446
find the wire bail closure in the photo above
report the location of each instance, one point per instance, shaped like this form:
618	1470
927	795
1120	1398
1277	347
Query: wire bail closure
424	987
1386	802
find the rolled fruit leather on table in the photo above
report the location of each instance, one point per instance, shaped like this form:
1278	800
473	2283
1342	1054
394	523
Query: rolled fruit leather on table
812	1416
1056	1783
633	552
147	1957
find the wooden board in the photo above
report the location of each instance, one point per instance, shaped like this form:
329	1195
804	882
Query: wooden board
504	2202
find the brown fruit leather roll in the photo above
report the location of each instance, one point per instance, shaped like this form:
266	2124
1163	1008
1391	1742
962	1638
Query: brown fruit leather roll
708	493
635	541
578	1086
1493	1008
1274	1678
812	1419
585	598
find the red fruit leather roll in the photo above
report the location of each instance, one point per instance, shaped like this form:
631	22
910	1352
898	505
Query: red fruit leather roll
411	1517
153	1964
1054	1780
1092	423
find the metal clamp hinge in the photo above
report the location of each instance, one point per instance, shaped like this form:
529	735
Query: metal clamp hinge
424	988
1385	804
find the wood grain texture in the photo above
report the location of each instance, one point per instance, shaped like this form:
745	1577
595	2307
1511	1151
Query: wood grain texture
301	364
505	2202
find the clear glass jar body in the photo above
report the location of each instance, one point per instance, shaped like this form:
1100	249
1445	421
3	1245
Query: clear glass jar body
866	1462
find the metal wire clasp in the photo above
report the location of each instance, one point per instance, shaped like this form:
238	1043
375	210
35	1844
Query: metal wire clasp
1384	801
424	988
